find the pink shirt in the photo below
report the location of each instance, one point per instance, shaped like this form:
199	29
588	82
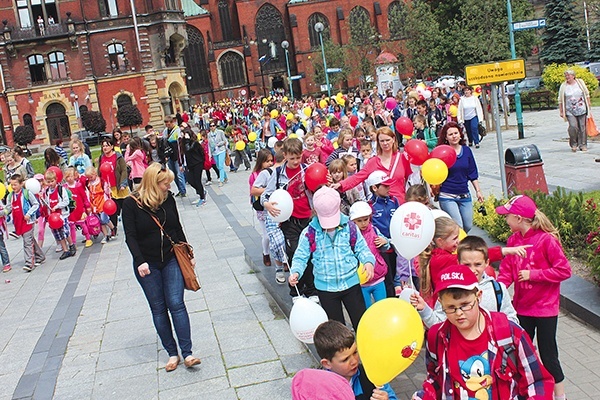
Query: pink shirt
137	162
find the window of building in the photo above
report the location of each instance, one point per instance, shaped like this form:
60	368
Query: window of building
116	56
57	123
360	25
58	68
30	11
27	119
108	8
37	69
172	5
269	26
312	34
232	69
397	14
225	19
194	56
123	100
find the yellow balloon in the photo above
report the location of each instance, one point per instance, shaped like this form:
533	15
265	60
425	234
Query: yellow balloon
362	274
340	95
421	85
293	136
407	137
265	101
284	99
2	191
342	102
453	110
240	145
389	338
274	113
323	103
252	136
461	235
335	145
289	116
434	171
10	189
307	111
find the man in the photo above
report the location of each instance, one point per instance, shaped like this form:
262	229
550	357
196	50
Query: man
176	159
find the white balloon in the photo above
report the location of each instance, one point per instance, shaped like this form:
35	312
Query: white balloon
440	213
305	317
300	133
427	94
285	204
406	293
412	228
271	142
33	185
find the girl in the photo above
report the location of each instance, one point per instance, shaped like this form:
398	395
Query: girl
322	142
52	159
78	158
423	132
311	153
373	290
209	161
264	162
82	205
113	173
97	198
537	279
351	164
344	141
339	171
135	157
359	135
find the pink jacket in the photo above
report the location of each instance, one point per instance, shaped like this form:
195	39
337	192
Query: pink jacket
380	266
402	171
540	295
137	162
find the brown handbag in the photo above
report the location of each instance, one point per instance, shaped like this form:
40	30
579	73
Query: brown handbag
227	159
184	253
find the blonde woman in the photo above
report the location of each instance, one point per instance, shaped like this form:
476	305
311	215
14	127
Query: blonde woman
574	106
78	158
155	265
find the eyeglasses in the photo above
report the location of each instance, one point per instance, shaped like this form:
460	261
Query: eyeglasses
466	307
212	126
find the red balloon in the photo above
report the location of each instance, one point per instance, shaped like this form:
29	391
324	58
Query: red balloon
58	172
55	221
353	121
106	168
315	176
404	126
445	153
490	271
417	151
110	207
280	136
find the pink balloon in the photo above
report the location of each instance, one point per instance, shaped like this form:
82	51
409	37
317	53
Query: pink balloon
390	103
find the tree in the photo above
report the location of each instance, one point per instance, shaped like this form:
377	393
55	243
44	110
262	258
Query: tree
425	46
364	43
129	115
397	16
336	58
563	39
93	121
24	135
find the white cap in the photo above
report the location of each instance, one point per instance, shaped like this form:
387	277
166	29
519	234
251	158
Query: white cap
377	177
360	209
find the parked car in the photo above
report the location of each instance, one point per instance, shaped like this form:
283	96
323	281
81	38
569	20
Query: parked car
526	85
91	138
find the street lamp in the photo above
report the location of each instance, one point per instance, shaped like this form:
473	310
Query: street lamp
319	27
285	44
262	76
513	54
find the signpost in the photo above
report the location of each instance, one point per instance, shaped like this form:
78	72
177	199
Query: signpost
296	77
333	70
532	24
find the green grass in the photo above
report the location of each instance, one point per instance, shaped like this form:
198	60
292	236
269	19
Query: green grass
595	98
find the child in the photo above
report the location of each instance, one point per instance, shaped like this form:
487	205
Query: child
366	152
537	279
23	205
82	205
359	135
336	346
338	171
97	198
472	252
351	163
3	231
57	199
478	354
311	153
209	161
318	384
322	142
419	194
373	290
264	162
328	242
422	132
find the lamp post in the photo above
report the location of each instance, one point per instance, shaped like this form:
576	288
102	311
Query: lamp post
285	44
513	54
319	27
262	76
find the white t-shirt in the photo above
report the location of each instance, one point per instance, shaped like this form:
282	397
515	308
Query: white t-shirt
469	107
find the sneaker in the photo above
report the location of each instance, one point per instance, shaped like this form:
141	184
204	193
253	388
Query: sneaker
280	276
72	249
476	146
58	249
208	183
178	194
88	243
314	299
226	180
65	254
104	240
220	184
201	203
83	241
195	202
28	268
37	263
183	195
6	268
14	235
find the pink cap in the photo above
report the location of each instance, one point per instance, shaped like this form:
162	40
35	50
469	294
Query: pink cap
456	276
520	205
326	202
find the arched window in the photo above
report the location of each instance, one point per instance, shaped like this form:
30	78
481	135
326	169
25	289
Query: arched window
194	56
116	56
269	26
231	65
225	18
27	119
36	68
108	8
397	14
123	100
360	25
83	109
30	10
58	68
312	34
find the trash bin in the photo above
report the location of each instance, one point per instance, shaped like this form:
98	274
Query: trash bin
524	170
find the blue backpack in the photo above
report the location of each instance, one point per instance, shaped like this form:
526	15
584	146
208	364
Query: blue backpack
311	233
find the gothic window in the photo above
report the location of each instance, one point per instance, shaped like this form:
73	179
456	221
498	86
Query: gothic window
314	35
27	119
123	100
360	25
36	68
397	14
232	69
108	8
225	19
116	56
269	26
58	68
31	10
194	56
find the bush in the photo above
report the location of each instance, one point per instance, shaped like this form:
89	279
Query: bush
93	121
129	115
24	135
554	75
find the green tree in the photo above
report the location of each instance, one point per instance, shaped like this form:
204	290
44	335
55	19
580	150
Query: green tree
93	121
364	43
24	135
563	39
336	58
397	15
129	115
425	46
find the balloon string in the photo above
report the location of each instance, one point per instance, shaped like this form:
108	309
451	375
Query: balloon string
285	260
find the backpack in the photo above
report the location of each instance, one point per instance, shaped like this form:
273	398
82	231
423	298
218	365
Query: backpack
26	196
256	203
72	204
93	224
311	233
499	294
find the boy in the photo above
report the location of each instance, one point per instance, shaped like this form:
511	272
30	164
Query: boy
424	133
23	205
476	353
335	247
472	252
336	346
57	200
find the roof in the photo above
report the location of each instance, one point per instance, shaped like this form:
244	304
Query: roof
386	58
191	8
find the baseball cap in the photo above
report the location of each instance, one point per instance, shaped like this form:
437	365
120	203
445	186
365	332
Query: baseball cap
456	276
521	205
360	209
377	177
326	202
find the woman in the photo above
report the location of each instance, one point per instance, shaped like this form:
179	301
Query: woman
195	157
135	157
469	114
381	116
574	105
454	195
11	167
78	158
389	160
218	148
112	170
155	265
52	159
117	137
19	156
156	149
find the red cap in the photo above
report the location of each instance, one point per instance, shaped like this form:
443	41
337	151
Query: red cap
456	276
520	205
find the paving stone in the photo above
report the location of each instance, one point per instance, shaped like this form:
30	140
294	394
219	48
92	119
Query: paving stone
279	335
211	367
124	357
241	336
257	373
276	389
249	356
145	387
205	389
295	362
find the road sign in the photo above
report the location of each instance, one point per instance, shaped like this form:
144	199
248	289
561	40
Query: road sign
333	70
510	70
532	24
296	77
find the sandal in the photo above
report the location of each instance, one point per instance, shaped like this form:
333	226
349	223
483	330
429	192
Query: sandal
190	361
172	364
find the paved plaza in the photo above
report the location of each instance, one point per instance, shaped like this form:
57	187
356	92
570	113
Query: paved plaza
81	328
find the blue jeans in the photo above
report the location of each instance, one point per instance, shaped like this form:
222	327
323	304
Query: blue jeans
164	291
220	160
3	251
179	177
460	211
472	127
377	291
